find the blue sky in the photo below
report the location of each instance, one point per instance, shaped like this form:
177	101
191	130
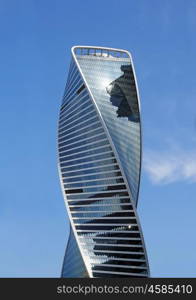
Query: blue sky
36	37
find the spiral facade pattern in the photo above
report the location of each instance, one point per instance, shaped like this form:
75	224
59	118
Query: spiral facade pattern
99	144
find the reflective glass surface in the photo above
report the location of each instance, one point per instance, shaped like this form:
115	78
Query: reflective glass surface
112	83
73	265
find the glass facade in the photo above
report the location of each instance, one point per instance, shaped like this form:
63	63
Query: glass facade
99	141
73	265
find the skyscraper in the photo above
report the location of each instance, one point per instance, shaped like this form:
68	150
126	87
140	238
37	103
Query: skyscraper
99	143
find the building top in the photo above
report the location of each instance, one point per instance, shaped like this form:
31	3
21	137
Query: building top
103	52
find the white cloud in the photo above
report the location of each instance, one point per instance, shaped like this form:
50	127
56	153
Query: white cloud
171	166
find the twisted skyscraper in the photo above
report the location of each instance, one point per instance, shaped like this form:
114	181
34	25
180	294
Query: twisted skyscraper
99	143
